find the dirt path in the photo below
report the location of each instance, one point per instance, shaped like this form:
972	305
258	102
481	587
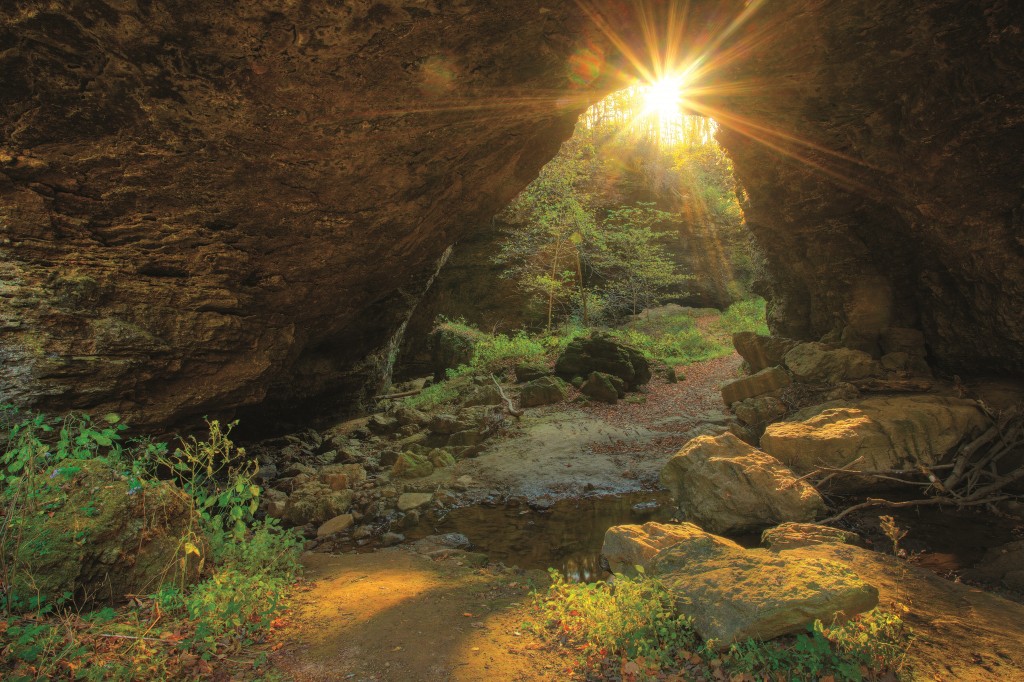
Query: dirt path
394	615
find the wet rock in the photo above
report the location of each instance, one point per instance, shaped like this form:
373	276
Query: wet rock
546	390
726	485
604	387
765	381
531	371
412	465
410	501
793	535
315	503
1001	565
880	433
390	539
816	362
759	412
761	352
432	543
362	532
602	353
338	524
107	539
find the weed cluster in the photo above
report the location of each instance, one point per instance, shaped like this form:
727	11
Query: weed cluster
181	631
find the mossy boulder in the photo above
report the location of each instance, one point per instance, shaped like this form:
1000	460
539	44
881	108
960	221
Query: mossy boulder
316	502
98	537
441	458
602	353
412	465
607	388
531	371
546	390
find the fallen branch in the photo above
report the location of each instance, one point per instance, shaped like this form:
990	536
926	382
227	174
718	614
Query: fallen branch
403	394
927	502
509	405
894	385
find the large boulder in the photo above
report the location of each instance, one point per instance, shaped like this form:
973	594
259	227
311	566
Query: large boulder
102	537
727	486
765	381
734	593
531	371
547	390
451	346
816	362
602	353
761	352
874	434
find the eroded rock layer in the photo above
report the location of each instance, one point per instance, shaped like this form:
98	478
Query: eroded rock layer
207	207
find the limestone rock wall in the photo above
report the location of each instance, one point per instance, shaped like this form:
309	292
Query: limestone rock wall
211	205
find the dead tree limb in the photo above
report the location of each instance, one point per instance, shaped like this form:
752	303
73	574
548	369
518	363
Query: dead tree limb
509	405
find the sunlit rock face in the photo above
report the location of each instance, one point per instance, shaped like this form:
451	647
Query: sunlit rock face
914	215
209	207
212	205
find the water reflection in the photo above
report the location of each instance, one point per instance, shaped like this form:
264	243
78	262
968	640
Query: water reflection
566	536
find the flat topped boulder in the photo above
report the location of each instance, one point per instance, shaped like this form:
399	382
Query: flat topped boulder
765	381
874	434
726	485
546	390
603	353
733	593
626	547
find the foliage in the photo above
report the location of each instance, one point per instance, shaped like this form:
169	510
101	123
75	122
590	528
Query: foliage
748	315
178	633
630	628
634	619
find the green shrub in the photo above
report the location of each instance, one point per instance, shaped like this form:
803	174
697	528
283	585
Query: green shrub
745	316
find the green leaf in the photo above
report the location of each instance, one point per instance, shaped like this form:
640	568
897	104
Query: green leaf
236	513
111	418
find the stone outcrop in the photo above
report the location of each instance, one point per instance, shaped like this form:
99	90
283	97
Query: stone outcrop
628	546
602	353
196	207
879	434
604	387
765	381
726	486
733	593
